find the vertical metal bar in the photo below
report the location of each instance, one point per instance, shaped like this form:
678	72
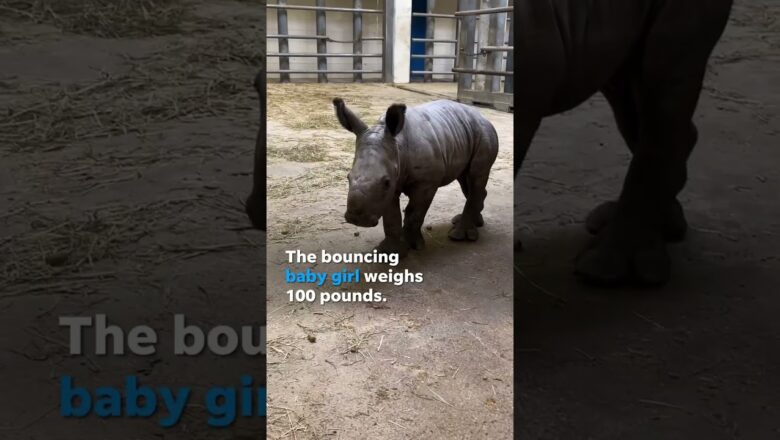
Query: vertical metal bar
496	27
430	30
322	44
284	62
458	25
456	46
460	55
387	48
509	82
357	37
466	43
483	34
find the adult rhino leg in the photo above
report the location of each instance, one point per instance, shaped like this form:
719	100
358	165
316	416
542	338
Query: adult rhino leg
632	243
621	93
464	187
256	202
391	221
669	84
414	215
674	225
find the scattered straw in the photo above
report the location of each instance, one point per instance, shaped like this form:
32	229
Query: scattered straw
186	81
103	18
304	151
61	255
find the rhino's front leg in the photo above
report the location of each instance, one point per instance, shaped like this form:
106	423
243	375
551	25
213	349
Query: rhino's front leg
391	221
419	202
633	243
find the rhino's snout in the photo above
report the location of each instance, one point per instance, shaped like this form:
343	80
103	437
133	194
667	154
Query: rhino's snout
361	219
362	207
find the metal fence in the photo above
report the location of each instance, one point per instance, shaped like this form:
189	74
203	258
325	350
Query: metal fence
484	37
322	39
430	40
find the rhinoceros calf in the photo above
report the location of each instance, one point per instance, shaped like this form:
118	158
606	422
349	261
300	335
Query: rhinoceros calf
648	58
415	151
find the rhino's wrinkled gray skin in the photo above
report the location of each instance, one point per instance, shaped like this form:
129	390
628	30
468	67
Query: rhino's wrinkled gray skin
256	202
648	58
415	151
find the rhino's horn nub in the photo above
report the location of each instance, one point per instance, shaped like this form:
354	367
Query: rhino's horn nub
338	102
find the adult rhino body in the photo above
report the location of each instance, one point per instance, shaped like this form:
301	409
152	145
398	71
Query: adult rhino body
256	202
648	58
415	151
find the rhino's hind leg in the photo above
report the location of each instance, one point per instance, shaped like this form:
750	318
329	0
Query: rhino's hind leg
466	227
464	186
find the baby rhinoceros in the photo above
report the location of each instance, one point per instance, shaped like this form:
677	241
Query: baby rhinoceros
415	151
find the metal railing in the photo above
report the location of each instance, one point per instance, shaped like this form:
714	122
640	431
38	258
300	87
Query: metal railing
326	8
322	41
485	74
430	41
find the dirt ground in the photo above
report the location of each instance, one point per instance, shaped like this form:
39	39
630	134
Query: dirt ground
433	361
698	358
126	143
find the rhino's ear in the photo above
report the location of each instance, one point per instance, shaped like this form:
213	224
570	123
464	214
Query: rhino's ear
348	119
394	119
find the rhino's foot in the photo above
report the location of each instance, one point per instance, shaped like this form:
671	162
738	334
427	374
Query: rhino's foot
619	254
414	238
391	246
674	224
480	220
459	232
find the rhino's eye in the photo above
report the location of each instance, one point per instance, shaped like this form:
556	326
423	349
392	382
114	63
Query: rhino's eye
386	182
